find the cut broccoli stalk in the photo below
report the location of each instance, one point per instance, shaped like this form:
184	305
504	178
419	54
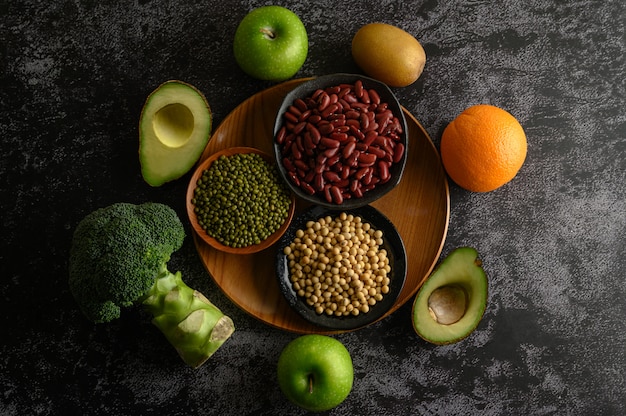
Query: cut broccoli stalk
189	321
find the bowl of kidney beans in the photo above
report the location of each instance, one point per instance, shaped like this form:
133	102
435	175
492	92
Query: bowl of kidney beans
340	140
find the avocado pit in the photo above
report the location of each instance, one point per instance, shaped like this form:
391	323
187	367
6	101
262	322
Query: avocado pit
173	124
447	304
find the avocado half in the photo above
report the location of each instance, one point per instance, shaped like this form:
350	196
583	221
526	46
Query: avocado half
452	301
174	128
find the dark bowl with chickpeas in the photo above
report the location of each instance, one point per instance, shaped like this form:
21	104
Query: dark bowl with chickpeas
341	269
340	140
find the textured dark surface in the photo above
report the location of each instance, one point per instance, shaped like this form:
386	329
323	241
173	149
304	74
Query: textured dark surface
73	78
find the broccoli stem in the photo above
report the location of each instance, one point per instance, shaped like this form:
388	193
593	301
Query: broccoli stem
189	321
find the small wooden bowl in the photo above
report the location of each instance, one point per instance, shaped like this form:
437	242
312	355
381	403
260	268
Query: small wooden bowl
194	220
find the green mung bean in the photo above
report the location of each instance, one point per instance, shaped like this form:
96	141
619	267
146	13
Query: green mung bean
240	200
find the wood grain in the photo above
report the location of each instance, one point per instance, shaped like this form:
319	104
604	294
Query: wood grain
419	207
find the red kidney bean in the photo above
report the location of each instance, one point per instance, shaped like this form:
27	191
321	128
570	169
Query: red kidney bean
293	176
297	129
338	123
327	195
353	159
299	164
325	128
304	116
361	172
357	133
342	135
333	160
288	165
319	182
365	96
345	89
342	184
300	104
397	125
352	114
345	172
350	98
367	179
331	176
307	188
338	136
336	195
383	171
331	152
297	154
365	121
373	126
380	153
354	184
381	107
327	142
307	141
314	118
348	149
323	101
398	152
358	88
374	97
314	132
294	110
291	117
345	106
329	110
367	159
370	137
280	136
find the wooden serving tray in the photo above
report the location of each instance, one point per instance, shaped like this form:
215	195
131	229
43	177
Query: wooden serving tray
419	207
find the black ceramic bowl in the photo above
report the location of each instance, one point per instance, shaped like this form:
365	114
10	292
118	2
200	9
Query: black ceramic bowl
311	181
392	243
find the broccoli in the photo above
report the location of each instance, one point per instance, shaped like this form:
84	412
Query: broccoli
118	258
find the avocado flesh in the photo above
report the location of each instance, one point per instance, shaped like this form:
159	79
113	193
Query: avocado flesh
174	128
461	278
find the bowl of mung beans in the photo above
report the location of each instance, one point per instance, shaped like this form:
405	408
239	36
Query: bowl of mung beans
340	140
236	201
341	269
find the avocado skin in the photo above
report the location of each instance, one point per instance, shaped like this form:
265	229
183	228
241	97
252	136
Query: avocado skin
461	267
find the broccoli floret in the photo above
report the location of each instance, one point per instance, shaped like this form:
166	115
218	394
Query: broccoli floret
119	258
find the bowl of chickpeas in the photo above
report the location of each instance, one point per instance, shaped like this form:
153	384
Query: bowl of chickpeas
341	269
237	203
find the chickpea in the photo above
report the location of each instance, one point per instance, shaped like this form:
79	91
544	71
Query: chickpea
338	265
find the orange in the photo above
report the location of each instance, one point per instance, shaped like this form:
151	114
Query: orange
483	148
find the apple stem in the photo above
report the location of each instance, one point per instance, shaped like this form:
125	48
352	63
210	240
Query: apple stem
268	32
311	384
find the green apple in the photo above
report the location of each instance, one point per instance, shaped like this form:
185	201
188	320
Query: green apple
271	43
315	372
